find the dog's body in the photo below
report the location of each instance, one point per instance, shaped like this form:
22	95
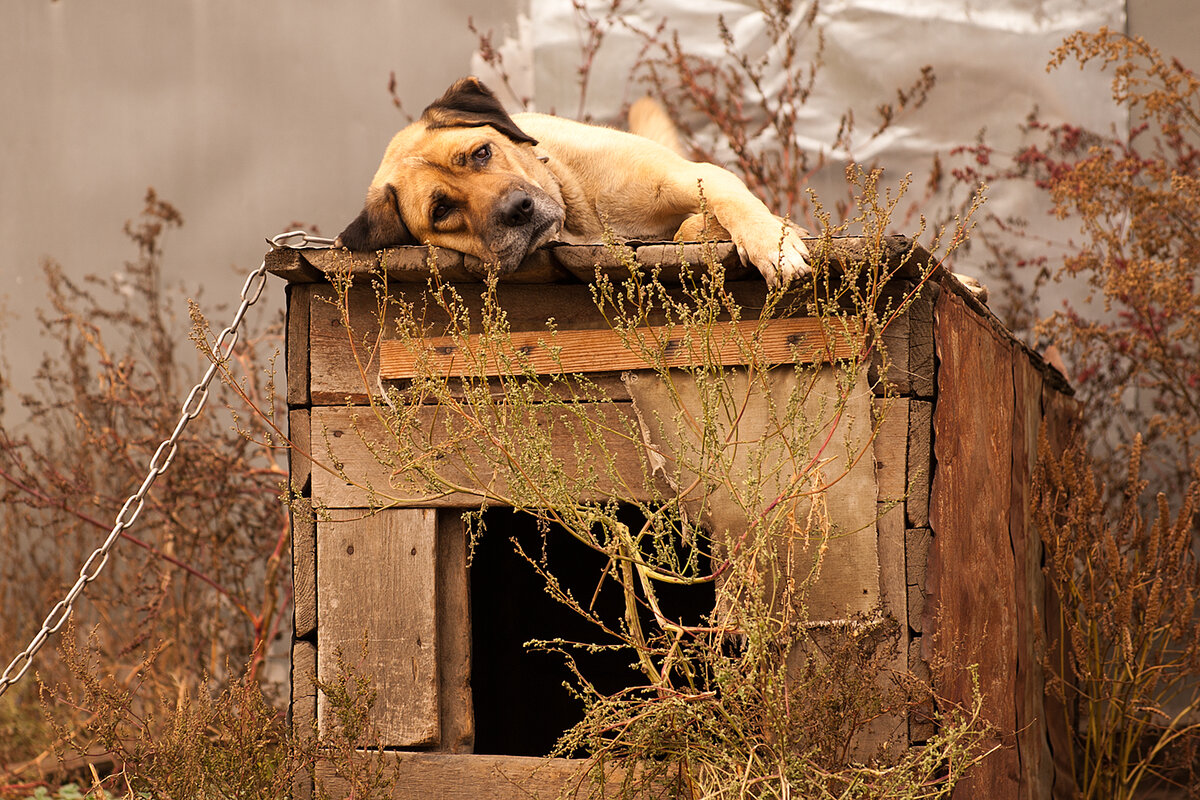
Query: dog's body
469	177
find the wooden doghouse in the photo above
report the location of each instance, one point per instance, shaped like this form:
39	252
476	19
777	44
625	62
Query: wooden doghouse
949	550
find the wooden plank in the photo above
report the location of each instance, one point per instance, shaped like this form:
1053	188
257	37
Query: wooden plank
377	584
916	555
442	776
921	725
893	584
920	343
897	379
454	635
299	451
759	469
971	580
1033	750
304	568
304	526
891	449
289	264
298	304
780	341
303	708
336	353
613	464
920	462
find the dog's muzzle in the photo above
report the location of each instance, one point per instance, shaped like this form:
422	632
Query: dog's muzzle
523	220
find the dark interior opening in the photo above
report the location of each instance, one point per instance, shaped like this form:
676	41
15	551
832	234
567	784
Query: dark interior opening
521	706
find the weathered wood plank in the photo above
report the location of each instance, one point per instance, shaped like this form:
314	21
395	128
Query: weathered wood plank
921	725
454	635
920	343
336	354
759	471
1032	745
794	340
378	586
611	464
916	554
303	708
289	264
891	449
298	304
970	574
304	526
300	451
893	585
426	776
920	462
304	568
897	378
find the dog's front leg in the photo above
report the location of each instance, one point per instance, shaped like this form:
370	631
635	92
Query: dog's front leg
771	244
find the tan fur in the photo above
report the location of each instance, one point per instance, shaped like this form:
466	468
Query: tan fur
648	118
504	195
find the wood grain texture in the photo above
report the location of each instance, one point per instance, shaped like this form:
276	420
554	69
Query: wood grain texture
891	450
303	709
916	555
893	584
920	343
759	466
378	585
971	577
438	776
304	568
920	462
1033	750
300	451
803	340
296	344
345	364
610	465
454	635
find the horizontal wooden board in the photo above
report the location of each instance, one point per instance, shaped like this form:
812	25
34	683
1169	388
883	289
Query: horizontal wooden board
779	341
358	440
424	776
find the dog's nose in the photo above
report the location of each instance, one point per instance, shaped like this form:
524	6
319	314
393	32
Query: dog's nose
517	209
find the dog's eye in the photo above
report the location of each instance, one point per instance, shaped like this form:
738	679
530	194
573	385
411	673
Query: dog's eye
482	154
440	211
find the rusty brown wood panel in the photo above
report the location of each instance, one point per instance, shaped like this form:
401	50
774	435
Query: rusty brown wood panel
442	776
1033	751
971	582
377	584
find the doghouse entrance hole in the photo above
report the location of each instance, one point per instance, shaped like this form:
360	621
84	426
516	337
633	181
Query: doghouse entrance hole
521	706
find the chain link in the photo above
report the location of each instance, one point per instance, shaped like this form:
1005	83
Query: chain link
191	409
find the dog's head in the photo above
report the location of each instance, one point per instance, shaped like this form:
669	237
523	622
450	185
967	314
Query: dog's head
463	176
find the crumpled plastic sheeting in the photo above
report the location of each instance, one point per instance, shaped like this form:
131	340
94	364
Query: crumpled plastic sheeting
989	58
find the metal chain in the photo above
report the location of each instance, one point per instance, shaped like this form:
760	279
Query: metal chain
160	461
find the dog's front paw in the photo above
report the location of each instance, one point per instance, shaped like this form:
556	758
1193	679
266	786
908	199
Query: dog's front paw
776	250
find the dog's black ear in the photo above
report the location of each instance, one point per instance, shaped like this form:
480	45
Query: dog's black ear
470	104
379	225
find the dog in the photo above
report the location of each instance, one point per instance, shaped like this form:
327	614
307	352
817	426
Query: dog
470	177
